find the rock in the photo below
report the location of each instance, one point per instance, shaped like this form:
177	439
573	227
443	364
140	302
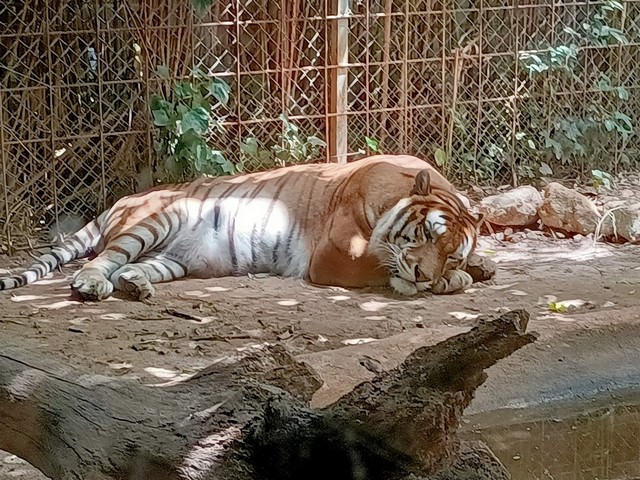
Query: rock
481	268
517	237
578	238
465	201
568	210
508	232
517	207
627	223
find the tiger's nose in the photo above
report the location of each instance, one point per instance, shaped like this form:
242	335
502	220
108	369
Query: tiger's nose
420	277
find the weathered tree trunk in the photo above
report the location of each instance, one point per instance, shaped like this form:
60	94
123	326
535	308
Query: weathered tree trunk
238	422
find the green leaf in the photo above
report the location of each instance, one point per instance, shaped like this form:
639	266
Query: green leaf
183	90
609	125
372	144
545	169
316	142
623	93
624	118
616	5
557	307
531	144
160	118
163	72
220	90
202	5
196	119
441	157
618	35
249	146
571	31
520	135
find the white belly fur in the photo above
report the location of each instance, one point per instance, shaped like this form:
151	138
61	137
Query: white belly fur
207	250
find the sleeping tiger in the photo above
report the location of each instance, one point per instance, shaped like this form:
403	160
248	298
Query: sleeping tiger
385	219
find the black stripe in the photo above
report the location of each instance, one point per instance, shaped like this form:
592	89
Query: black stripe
305	212
136	237
274	200
121	251
254	246
75	242
232	246
154	232
181	265
73	253
216	217
21	280
57	257
170	225
157	270
39	268
90	238
399	216
275	251
171	272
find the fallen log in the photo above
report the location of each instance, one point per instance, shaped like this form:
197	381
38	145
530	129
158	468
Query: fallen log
250	420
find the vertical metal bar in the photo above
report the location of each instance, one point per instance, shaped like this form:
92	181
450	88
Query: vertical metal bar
146	86
328	76
52	116
443	78
342	82
5	184
99	54
480	91
238	74
367	73
283	40
405	80
515	25
619	49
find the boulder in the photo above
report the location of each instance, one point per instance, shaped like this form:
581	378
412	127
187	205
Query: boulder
627	223
517	207
568	210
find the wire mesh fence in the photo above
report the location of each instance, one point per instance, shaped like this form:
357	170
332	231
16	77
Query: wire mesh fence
494	91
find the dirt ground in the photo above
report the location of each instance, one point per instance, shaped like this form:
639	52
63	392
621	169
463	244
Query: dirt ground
587	350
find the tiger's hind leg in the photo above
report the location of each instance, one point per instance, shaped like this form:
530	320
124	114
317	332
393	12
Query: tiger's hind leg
137	278
91	282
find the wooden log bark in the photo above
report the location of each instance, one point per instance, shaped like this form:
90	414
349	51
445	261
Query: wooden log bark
250	420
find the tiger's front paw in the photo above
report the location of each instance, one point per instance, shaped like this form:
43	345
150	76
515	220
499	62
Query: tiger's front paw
403	287
451	282
91	285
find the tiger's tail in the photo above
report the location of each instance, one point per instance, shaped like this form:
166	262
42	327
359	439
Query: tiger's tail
77	245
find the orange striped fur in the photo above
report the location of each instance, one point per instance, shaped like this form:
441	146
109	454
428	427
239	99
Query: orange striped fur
381	220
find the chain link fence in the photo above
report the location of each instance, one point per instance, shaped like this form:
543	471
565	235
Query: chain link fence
494	91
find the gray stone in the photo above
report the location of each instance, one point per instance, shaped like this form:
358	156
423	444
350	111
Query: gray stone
517	207
568	210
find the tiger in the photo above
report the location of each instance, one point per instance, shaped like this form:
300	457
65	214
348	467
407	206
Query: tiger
384	220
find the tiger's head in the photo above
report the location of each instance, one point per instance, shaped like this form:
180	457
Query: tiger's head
424	235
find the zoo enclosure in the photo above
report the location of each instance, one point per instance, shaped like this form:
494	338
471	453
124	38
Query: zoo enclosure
494	91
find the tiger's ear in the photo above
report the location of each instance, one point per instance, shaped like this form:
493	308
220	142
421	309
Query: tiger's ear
423	184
